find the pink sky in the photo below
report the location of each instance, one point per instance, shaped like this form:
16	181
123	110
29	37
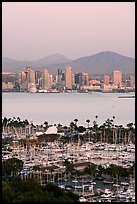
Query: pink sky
32	30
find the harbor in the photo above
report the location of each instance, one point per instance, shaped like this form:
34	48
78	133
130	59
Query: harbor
45	161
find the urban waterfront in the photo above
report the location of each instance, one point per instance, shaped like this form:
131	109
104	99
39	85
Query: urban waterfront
65	107
68	102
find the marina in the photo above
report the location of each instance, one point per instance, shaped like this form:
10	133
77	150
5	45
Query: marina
50	158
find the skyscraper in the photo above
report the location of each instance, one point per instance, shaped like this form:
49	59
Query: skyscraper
38	75
31	75
46	81
117	78
22	77
68	77
59	77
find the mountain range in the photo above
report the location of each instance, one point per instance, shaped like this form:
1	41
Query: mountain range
103	62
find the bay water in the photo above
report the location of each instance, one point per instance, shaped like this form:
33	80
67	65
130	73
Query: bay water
63	108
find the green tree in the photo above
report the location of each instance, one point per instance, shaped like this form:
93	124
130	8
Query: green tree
7	193
11	166
70	170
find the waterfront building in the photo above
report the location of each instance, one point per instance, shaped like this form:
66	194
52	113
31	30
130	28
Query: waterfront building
68	77
106	79
117	78
85	78
24	86
107	88
16	87
7	86
94	82
132	81
46	80
8	77
33	88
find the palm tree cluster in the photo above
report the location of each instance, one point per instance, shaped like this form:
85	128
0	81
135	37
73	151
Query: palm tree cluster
107	132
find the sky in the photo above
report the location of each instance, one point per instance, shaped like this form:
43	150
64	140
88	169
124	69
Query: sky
33	30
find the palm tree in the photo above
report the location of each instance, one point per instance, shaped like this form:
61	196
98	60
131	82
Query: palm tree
26	122
76	120
113	117
72	125
104	132
119	133
18	118
8	123
4	123
116	126
72	128
59	127
46	125
88	121
96	118
113	127
101	131
130	131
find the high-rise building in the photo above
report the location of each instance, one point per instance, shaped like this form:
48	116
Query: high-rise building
106	79
59	77
132	81
68	77
85	79
46	80
22	77
31	75
38	75
117	78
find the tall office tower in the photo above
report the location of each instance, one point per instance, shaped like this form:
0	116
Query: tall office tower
117	78
59	77
106	79
46	80
51	79
132	81
68	77
78	79
85	78
31	75
40	83
63	79
23	77
38	75
23	80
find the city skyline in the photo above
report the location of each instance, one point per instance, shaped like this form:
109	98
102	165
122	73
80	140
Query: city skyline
74	29
66	81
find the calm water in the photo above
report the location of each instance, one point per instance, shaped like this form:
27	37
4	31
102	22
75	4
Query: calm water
65	107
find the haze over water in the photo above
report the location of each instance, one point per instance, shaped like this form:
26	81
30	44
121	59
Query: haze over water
65	107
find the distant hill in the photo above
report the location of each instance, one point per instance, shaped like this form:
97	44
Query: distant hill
105	62
102	62
9	64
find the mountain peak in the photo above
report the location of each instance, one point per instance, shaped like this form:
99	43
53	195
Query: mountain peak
54	59
102	62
